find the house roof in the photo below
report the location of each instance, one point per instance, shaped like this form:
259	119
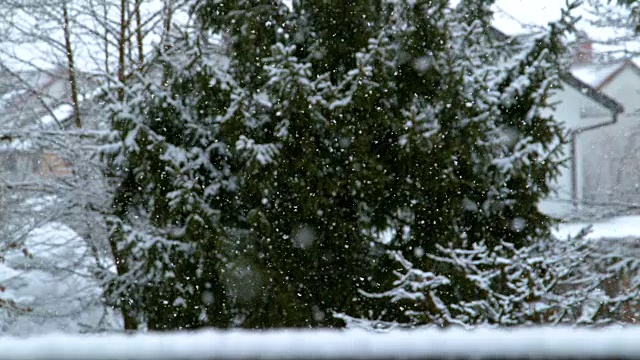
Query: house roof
41	98
593	93
599	75
596	74
575	82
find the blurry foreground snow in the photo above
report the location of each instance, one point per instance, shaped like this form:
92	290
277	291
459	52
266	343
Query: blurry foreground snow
615	342
48	287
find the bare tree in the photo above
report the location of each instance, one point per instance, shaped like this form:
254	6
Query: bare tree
52	99
616	24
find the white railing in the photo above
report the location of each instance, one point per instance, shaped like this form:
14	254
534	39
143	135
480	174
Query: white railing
326	344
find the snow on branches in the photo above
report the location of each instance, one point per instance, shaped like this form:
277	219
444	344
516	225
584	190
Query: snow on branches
572	281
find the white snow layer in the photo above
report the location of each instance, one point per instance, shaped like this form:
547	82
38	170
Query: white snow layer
595	74
615	228
59	113
333	344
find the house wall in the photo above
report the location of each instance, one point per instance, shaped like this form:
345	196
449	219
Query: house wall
612	162
53	165
611	155
576	111
25	165
625	88
18	165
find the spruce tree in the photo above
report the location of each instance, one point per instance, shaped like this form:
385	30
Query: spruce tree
256	183
484	149
175	192
305	243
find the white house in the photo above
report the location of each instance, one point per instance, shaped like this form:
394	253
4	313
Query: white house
610	155
586	113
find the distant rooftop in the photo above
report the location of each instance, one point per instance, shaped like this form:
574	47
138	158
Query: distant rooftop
598	75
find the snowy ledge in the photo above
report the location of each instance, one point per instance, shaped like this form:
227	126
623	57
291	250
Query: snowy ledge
325	344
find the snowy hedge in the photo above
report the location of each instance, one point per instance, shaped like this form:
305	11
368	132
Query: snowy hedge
567	281
326	344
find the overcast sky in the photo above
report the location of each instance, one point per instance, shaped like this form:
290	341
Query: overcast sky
89	50
513	16
516	16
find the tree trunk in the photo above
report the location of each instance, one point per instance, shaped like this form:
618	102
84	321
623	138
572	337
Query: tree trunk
130	322
71	66
122	49
139	33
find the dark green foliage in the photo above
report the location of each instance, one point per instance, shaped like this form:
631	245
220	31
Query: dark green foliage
264	174
176	189
487	166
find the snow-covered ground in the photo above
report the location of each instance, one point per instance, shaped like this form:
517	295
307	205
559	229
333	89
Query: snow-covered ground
327	344
614	228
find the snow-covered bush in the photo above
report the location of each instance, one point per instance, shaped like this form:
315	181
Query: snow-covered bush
570	281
